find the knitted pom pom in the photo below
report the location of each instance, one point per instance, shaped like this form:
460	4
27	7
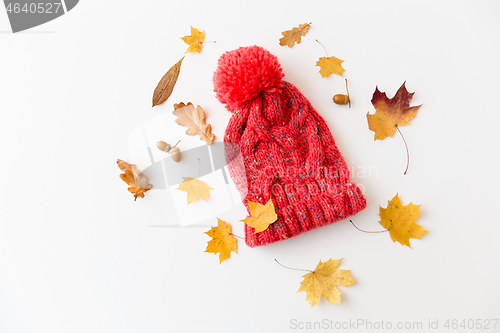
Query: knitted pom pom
243	73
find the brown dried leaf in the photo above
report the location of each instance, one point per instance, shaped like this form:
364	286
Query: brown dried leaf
164	88
134	178
194	119
294	35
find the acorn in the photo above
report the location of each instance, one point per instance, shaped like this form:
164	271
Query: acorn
342	99
163	146
174	151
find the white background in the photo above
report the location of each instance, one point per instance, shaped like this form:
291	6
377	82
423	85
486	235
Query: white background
77	254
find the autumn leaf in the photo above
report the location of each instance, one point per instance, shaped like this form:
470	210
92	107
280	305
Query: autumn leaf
294	35
195	41
194	119
390	112
400	221
324	281
261	215
330	65
223	241
195	188
164	88
137	182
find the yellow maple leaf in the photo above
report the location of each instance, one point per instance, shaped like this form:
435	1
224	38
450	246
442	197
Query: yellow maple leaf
261	215
223	241
195	188
195	41
294	36
330	65
390	112
324	281
400	221
137	182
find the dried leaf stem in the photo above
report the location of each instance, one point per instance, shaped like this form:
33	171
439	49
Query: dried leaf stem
237	236
199	169
369	232
308	24
348	97
323	48
297	269
407	151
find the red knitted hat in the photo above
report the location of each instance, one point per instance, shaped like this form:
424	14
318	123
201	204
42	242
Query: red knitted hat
289	153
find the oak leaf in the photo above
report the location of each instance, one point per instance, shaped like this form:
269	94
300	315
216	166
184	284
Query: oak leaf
194	119
324	281
164	88
390	112
294	36
261	216
223	241
195	189
330	65
137	182
400	221
195	41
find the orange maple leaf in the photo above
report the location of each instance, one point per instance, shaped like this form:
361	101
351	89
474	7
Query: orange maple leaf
390	112
223	241
324	281
329	65
195	41
195	189
400	221
262	216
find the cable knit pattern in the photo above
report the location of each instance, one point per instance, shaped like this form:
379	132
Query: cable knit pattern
288	152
